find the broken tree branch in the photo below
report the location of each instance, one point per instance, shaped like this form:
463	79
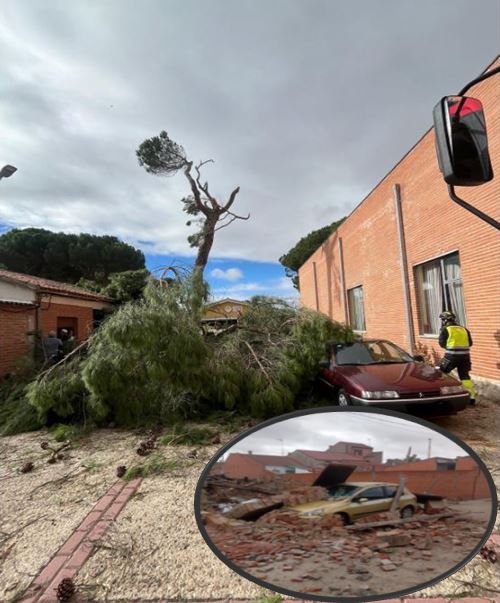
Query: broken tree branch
195	190
45	373
72	474
232	197
258	361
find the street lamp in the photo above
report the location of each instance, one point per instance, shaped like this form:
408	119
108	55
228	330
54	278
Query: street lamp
7	171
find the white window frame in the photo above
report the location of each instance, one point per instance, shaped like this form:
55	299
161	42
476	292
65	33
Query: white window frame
444	283
351	313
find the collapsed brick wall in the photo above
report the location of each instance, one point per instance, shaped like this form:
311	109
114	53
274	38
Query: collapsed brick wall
454	485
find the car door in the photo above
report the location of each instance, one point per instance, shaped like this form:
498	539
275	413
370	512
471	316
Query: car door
376	501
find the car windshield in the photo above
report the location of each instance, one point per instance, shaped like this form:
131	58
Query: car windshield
342	490
370	352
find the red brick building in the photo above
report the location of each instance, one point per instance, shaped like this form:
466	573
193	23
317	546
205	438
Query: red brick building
407	251
455	479
254	466
259	466
30	304
341	453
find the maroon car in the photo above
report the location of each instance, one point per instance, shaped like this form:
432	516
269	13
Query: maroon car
378	373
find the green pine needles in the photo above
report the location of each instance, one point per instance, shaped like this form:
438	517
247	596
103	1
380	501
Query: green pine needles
150	362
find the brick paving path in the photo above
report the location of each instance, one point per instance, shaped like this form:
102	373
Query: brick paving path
76	550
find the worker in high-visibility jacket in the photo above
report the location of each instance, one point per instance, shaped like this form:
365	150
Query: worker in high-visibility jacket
457	341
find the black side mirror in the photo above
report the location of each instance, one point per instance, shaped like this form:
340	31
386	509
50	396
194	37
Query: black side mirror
419	358
461	141
324	364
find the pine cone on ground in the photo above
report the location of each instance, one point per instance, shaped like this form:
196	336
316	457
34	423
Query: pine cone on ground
27	467
121	470
65	590
44	445
216	439
143	450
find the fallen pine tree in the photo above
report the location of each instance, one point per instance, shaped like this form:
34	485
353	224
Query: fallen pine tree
150	361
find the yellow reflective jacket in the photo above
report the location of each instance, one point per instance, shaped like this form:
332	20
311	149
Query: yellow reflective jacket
456	339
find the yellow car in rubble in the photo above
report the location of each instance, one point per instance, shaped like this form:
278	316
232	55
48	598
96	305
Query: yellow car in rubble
359	499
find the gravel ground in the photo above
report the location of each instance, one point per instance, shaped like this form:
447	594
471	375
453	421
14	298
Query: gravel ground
154	549
37	516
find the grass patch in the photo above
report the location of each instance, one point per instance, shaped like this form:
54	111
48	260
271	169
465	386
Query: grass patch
62	432
182	435
270	597
91	464
156	464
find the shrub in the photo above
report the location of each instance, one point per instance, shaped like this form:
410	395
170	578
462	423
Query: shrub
16	413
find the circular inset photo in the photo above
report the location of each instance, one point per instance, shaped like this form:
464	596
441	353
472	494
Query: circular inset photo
334	504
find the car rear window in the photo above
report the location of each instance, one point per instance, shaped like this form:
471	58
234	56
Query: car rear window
342	490
373	493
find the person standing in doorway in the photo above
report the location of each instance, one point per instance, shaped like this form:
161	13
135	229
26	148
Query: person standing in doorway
457	341
52	348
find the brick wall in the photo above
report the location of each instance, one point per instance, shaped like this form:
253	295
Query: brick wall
424	465
15	322
50	313
433	226
240	465
457	485
14	343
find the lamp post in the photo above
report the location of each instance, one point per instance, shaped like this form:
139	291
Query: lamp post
7	171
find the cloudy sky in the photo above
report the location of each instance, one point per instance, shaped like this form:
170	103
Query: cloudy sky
304	104
317	431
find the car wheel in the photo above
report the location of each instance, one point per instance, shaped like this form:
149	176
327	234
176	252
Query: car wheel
344	517
343	398
407	512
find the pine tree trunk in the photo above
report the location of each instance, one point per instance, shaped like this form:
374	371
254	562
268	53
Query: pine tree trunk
206	244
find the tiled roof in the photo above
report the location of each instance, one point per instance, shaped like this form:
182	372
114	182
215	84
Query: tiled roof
45	285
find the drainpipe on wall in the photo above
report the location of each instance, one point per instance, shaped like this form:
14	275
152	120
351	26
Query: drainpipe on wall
316	286
410	334
342	281
38	304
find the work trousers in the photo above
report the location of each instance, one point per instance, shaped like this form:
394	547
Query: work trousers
462	363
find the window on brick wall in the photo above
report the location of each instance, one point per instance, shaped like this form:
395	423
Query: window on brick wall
356	309
439	287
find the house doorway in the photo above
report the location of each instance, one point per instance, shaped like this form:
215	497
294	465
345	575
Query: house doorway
69	324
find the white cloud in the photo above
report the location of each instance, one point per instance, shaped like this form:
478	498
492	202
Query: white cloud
231	274
281	287
78	99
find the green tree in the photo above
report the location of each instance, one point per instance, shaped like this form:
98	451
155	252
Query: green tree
122	286
299	253
162	156
67	257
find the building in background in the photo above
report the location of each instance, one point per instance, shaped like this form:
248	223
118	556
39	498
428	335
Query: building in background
222	314
29	305
407	252
257	466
